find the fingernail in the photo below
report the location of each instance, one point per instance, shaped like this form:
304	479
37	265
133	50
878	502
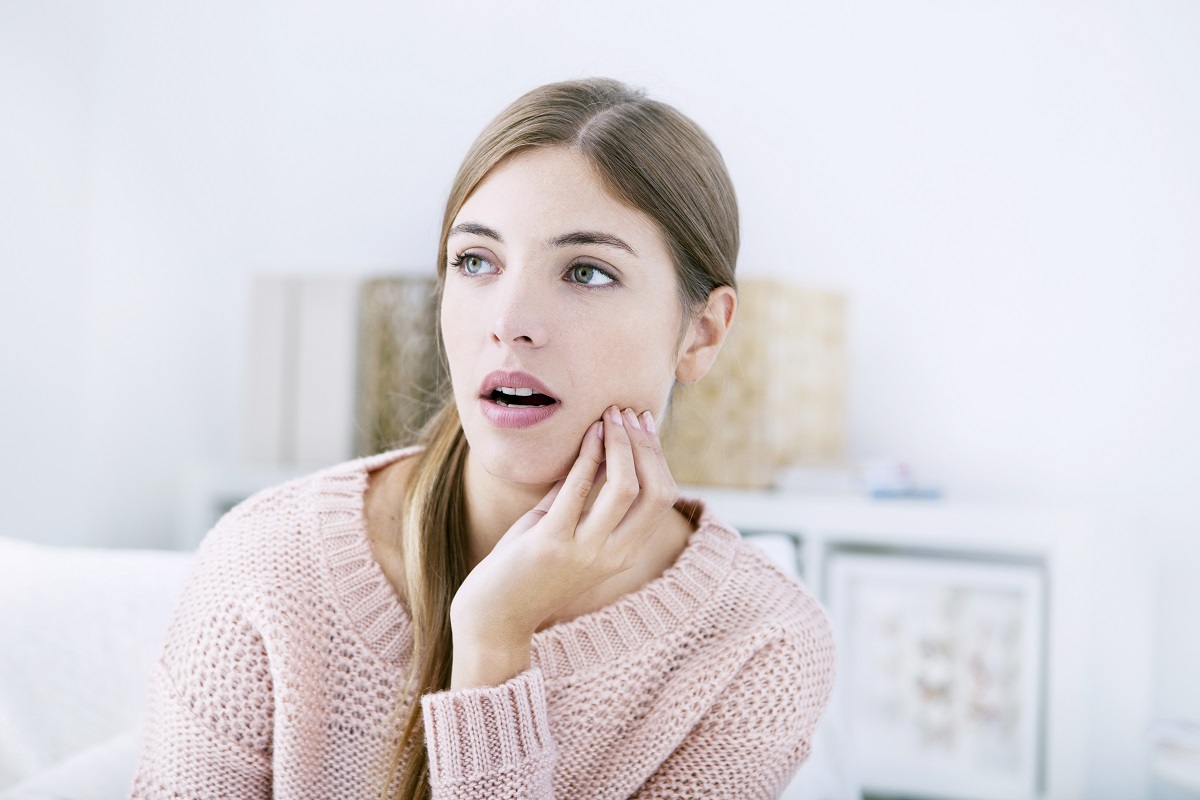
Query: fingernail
648	419
614	416
633	420
599	430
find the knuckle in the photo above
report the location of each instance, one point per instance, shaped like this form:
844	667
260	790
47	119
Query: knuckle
626	491
615	561
581	490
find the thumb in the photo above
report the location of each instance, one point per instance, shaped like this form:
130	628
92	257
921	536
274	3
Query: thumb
534	515
547	501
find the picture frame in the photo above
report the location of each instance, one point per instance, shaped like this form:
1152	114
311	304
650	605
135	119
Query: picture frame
941	673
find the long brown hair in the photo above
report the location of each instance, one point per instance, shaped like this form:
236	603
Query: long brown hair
647	155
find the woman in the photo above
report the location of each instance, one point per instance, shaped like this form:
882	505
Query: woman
523	605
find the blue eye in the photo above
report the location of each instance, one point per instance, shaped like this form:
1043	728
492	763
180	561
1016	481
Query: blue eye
470	264
586	275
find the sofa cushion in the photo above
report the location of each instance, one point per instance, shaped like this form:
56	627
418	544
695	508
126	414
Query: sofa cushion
79	629
101	772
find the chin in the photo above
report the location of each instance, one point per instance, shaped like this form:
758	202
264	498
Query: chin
507	466
509	459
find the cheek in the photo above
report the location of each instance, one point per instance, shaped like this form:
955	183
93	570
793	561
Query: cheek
458	329
627	364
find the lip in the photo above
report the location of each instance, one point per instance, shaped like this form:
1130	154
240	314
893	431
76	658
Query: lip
513	379
509	416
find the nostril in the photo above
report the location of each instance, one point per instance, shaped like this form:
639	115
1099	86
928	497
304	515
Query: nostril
513	328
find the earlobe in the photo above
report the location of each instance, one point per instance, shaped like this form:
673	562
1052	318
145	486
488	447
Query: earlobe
707	334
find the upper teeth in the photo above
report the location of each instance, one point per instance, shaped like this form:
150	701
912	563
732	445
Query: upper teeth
521	392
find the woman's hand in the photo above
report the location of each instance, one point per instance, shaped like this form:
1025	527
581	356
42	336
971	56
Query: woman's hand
556	552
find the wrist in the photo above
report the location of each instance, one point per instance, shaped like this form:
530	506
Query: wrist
477	663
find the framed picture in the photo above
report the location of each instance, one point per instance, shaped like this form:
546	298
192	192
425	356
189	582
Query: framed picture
940	673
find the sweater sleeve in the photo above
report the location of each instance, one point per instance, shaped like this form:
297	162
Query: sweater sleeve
209	715
759	731
491	742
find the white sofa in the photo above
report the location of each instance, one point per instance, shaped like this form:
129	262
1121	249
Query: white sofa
79	630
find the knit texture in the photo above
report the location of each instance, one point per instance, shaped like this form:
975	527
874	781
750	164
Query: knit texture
283	670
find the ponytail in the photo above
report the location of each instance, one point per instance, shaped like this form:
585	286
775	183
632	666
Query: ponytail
433	537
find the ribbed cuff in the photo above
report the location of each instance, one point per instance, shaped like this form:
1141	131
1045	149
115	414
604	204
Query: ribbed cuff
471	733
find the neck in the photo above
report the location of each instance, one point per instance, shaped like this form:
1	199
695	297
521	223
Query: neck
493	505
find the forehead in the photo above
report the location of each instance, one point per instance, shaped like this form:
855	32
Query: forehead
546	192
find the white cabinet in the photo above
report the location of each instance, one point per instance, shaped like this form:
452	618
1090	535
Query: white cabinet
969	661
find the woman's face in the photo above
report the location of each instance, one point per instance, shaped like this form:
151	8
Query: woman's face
550	276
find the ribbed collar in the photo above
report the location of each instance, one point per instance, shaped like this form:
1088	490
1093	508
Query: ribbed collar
604	635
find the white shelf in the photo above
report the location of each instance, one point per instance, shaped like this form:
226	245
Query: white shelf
1061	541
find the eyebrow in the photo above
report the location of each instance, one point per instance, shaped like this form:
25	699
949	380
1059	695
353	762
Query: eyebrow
566	240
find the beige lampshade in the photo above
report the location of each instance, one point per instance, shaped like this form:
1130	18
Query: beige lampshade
775	397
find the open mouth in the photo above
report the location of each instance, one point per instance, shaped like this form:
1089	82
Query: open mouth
520	398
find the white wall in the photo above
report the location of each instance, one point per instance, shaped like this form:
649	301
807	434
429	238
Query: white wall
1007	191
44	102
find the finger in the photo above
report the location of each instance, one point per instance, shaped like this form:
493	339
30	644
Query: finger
650	425
601	479
547	501
657	493
648	451
526	521
566	505
534	515
620	488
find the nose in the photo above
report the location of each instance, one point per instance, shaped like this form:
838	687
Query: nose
520	313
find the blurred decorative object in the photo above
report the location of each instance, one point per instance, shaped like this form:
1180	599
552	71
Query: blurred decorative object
887	478
816	479
399	370
878	478
1175	758
300	371
775	396
337	367
941	661
1177	733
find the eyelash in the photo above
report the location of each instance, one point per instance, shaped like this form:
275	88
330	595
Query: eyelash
456	264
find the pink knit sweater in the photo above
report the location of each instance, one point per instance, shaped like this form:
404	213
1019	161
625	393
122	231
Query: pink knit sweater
283	661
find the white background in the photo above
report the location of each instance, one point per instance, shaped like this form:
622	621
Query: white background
1009	194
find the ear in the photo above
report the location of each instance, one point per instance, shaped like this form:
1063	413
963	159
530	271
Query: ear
706	334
